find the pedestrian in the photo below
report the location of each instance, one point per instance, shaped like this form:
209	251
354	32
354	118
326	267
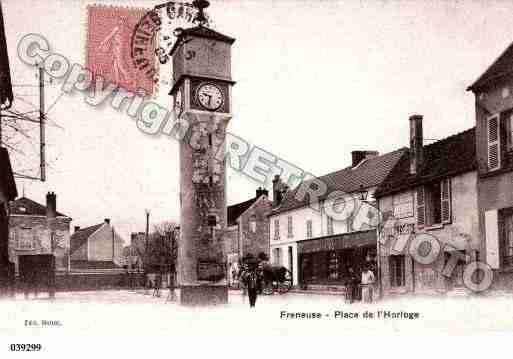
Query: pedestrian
367	284
252	279
351	286
158	284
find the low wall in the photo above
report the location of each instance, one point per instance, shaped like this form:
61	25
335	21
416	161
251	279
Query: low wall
83	281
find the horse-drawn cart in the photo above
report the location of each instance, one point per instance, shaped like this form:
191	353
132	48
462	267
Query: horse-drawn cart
276	279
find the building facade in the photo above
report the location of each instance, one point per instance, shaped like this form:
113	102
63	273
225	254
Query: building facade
431	197
494	145
8	193
248	228
37	229
321	242
96	247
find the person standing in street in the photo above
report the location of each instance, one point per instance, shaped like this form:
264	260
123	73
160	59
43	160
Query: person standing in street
367	284
252	280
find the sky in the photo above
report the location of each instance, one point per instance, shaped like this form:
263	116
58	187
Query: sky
315	81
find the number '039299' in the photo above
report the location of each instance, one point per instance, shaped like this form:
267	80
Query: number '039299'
25	347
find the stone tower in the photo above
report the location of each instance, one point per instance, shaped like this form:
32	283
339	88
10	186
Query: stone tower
202	96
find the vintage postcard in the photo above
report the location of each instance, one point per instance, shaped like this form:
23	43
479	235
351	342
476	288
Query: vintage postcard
228	169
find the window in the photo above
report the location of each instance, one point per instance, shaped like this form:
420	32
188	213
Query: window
510	132
277	256
253	224
506	233
309	233
493	129
290	232
276	229
333	265
434	203
24	239
330	225
403	205
397	271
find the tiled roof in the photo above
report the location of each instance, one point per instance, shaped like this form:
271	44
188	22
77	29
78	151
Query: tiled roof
78	238
28	207
369	173
445	158
7	183
503	65
235	211
83	264
202	31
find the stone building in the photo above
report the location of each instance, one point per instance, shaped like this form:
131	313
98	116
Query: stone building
248	227
431	194
96	247
8	193
493	92
317	245
36	229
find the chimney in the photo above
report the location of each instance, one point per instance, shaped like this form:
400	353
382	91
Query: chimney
51	205
107	220
416	141
77	228
277	191
261	192
359	156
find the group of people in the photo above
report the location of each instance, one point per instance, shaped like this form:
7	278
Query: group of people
365	282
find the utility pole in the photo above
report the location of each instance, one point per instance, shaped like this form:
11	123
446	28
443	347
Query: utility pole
42	121
147	255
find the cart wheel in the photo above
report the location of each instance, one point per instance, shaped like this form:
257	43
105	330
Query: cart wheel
268	289
286	285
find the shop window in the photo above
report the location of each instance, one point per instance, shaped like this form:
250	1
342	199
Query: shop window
397	271
290	232
276	229
309	231
333	266
330	225
434	203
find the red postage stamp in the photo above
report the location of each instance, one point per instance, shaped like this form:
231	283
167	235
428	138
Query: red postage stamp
109	35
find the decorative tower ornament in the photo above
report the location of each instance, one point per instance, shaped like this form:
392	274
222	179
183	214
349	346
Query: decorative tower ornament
202	96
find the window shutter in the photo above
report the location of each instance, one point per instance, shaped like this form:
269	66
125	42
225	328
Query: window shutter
421	207
494	160
492	238
445	191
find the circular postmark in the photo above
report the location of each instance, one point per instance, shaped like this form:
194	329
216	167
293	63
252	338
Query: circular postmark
154	36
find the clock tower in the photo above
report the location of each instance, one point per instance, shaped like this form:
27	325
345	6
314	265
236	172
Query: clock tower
202	96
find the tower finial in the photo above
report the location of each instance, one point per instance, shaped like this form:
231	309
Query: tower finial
200	17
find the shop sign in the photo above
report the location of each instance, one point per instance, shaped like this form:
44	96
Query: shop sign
350	240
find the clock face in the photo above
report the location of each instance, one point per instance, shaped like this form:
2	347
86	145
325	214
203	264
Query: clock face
210	96
178	103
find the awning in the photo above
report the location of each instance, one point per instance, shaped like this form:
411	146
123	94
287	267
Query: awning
339	241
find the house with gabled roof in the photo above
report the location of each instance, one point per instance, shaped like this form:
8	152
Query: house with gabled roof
493	91
38	229
429	196
96	247
248	228
320	239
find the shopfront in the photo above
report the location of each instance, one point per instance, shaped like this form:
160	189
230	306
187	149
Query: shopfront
326	260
